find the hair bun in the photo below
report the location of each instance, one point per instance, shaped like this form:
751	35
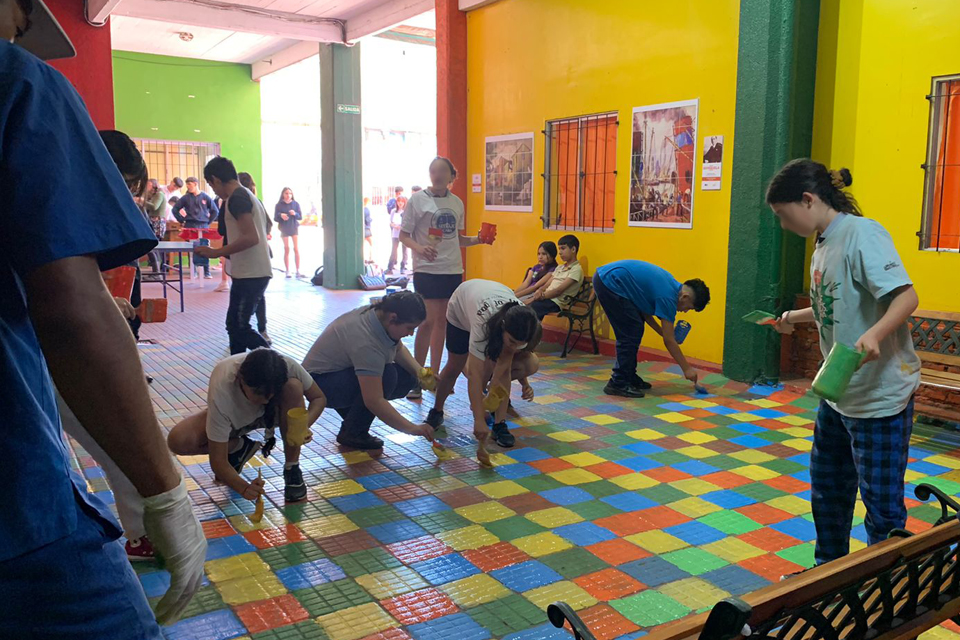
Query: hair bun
846	176
841	179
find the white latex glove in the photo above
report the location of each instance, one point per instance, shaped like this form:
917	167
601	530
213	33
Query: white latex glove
177	536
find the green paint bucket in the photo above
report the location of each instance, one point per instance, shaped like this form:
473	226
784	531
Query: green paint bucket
837	370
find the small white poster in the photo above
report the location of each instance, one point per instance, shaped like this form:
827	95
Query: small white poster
477	178
712	163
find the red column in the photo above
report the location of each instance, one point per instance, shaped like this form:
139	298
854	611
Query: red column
452	91
91	71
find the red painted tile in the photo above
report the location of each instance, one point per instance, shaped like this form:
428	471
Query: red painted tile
726	479
389	634
788	484
671	443
606	623
217	529
764	514
264	538
698	425
463	497
917	526
667	474
496	556
400	492
347	543
549	465
697	413
526	502
770	566
609	584
617	552
459	465
769	540
609	469
263	615
625	524
424	548
723	446
419	606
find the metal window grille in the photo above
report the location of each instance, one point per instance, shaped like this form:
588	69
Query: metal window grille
940	227
580	173
169	159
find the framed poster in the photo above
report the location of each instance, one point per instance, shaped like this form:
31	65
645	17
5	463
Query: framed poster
663	164
509	168
712	163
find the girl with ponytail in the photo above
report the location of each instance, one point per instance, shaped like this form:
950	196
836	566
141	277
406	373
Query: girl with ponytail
490	337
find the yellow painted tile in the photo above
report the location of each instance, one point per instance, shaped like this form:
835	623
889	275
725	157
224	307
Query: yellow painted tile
357	622
791	504
554	517
239	566
744	417
326	526
697	452
752	456
944	461
913	476
584	459
441	484
696	437
272	518
563	591
574	476
485	512
694	507
645	434
502	489
339	488
260	586
634	481
799	444
938	633
472	537
755	472
699	404
602	419
795	420
541	544
475	590
188	460
856	545
356	457
600	376
693	593
191	484
694	486
859	509
798	432
732	549
548	399
763	403
568	436
392	582
656	541
673	417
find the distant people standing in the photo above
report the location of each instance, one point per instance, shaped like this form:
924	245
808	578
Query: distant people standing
367	232
172	190
288	216
201	212
155	206
395	209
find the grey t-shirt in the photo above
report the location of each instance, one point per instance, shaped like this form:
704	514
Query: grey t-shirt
355	340
472	304
426	211
854	269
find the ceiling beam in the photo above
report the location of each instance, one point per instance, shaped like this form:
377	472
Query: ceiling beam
284	58
470	5
230	17
385	16
97	11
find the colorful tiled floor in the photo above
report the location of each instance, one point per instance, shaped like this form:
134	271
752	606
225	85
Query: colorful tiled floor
635	512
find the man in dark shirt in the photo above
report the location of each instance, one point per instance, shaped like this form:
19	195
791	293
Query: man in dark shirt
201	212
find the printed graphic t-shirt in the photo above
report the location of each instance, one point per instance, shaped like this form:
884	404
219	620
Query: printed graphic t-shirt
472	304
854	269
426	211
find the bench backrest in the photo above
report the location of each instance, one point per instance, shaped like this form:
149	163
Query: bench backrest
584	300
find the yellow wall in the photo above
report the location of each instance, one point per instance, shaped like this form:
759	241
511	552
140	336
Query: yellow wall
534	60
875	63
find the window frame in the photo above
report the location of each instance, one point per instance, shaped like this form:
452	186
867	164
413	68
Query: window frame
928	241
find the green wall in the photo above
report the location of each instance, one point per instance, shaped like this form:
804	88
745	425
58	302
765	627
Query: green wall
225	107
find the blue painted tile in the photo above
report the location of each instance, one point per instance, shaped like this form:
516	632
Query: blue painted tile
381	480
859	532
228	546
629	501
445	569
695	533
770	414
584	533
735	579
720	410
106	496
653	571
749	427
642	448
459	626
639	463
526	575
567	495
421	506
728	499
764	390
674	406
515	471
695	468
217	625
155	583
93	472
542	632
799	528
397	531
927	468
528	454
310	574
750	442
356	501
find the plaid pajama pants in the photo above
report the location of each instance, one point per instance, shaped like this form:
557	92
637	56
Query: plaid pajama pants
851	453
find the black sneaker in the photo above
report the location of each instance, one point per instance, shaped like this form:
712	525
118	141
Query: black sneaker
625	392
415	394
248	448
434	418
502	435
363	442
294	490
640	383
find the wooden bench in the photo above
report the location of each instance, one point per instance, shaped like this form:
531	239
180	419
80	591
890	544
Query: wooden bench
580	316
893	590
936	337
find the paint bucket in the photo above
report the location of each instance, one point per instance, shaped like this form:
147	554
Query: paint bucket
427	380
297	427
495	396
119	281
434	237
837	371
152	310
488	232
392	289
680	331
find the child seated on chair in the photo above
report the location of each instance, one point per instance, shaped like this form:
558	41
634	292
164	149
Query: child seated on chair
564	283
537	274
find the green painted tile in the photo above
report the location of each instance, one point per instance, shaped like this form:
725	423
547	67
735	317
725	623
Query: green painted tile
372	516
513	527
539	484
784	467
947	486
308	510
560	449
722	433
649	608
481	476
543	428
802	554
291	554
441	521
418	474
694	560
593	510
724	462
721	421
615	453
619	440
306	630
601	488
663	494
360	563
671	429
774	436
573	563
332	596
206	600
731	523
759	491
507	615
668	458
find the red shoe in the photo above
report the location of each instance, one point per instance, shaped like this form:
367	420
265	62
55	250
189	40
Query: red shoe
140	550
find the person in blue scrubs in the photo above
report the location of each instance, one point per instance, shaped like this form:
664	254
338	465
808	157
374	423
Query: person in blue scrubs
63	574
633	293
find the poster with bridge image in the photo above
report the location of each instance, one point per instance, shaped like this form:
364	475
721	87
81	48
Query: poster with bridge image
509	173
662	165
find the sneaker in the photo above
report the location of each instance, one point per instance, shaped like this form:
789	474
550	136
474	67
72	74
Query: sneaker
294	490
625	392
207	276
248	448
364	442
288	275
222	288
502	435
416	393
140	550
434	418
640	383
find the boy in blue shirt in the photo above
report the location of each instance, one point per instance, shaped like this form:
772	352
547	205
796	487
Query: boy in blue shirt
633	293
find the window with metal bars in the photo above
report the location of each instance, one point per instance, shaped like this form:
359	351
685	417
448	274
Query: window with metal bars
580	173
169	159
940	227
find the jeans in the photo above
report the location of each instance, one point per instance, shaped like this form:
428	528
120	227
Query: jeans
342	389
404	255
543	308
197	260
262	315
869	454
80	587
627	324
245	295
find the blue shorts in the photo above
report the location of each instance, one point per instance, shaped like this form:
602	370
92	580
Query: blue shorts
80	587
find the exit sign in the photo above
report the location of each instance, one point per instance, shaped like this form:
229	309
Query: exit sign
353	109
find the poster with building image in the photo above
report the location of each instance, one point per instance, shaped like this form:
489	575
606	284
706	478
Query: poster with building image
712	163
662	165
509	173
